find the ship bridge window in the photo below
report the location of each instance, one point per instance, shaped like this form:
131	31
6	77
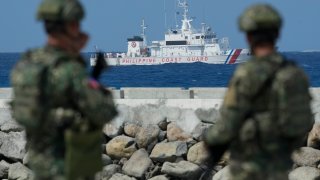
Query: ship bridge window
197	37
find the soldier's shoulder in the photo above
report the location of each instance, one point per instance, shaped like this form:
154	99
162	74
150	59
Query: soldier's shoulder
247	69
292	74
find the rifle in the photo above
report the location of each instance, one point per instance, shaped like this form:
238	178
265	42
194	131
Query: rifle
100	65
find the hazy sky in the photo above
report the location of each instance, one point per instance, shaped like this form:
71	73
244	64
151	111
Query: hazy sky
111	22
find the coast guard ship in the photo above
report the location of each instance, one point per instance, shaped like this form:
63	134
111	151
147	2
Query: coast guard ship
181	45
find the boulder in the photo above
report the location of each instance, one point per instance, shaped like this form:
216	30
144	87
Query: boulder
5	116
119	176
106	160
306	156
163	125
108	171
113	129
208	115
160	177
198	154
4	169
304	173
11	126
223	174
199	130
182	169
121	146
12	145
20	172
162	136
26	159
131	129
175	133
138	164
314	136
169	151
147	136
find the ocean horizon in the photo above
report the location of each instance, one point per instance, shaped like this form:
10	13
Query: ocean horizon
174	75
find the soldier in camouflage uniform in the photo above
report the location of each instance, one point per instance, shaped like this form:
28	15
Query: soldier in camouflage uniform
72	102
266	112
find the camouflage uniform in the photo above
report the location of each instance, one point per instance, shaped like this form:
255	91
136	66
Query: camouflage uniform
265	115
74	103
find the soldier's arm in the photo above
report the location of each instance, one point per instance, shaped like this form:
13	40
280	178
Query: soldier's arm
94	103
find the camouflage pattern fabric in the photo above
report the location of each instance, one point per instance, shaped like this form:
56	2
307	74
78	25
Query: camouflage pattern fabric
260	16
263	126
74	104
60	10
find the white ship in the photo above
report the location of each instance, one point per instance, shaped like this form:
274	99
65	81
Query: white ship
181	45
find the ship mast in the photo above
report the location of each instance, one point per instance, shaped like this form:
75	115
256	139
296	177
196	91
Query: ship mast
186	22
143	33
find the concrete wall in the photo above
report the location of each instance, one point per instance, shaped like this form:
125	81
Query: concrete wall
191	98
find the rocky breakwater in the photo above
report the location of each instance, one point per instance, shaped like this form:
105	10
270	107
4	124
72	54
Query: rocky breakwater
152	142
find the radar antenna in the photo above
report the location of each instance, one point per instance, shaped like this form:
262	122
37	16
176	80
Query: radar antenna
143	33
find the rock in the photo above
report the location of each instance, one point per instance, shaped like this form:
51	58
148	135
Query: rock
208	115
198	154
121	146
113	129
138	164
314	136
169	151
11	126
223	174
306	156
162	135
147	137
163	125
26	158
103	147
106	160
18	171
12	145
4	169
131	129
122	161
182	169
191	143
109	170
154	171
175	133
199	130
5	116
160	177
304	173
119	176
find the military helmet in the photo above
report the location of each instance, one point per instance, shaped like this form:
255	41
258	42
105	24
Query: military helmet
259	17
60	10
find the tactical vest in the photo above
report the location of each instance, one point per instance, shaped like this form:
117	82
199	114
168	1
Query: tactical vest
282	113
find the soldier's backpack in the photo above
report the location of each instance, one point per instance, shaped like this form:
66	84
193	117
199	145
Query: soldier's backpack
293	100
291	106
29	81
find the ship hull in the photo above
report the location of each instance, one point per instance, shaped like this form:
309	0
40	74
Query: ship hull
236	56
